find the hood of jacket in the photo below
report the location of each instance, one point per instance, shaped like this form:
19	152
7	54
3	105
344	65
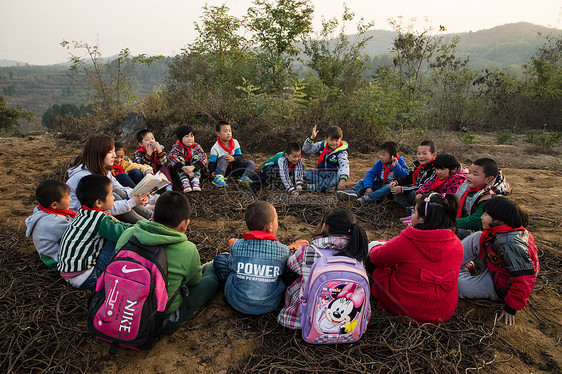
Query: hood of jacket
32	220
433	244
152	233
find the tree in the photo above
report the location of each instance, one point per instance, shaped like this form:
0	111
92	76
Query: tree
105	83
10	117
337	58
277	25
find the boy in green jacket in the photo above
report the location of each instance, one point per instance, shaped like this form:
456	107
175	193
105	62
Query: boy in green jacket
167	228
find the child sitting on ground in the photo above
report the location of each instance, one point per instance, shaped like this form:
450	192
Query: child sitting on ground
88	244
404	188
449	176
49	220
506	253
484	180
280	166
151	153
126	172
337	232
167	228
332	168
251	273
188	159
417	271
226	158
376	184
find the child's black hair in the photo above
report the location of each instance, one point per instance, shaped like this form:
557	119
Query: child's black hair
488	165
183	131
171	209
440	212
446	161
119	145
50	191
508	211
258	214
341	221
91	188
334	132
221	123
141	134
390	147
292	147
428	143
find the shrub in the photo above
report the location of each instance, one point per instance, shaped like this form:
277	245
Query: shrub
505	136
468	137
543	138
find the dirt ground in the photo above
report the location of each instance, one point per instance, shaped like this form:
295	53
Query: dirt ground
220	340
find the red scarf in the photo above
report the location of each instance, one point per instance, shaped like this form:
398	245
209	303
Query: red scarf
326	151
387	171
492	231
463	199
154	155
293	165
259	234
117	169
438	183
61	212
88	208
417	171
188	149
230	147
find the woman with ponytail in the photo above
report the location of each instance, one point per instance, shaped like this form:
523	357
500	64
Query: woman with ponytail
416	273
338	232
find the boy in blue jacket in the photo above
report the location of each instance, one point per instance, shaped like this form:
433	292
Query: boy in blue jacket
376	184
251	272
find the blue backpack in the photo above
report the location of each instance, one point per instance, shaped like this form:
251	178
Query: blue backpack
335	306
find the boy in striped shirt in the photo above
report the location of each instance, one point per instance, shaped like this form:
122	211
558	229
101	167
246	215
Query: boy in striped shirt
88	244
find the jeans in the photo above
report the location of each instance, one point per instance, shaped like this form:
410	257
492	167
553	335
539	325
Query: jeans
379	190
130	179
405	199
239	169
104	258
222	270
324	180
197	296
479	286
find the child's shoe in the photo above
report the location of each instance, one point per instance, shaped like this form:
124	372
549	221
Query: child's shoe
311	187
346	195
363	200
169	187
219	181
244	182
195	186
186	186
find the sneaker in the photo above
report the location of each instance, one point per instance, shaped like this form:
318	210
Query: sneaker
346	195
245	182
187	187
363	200
219	181
195	187
311	188
410	210
169	187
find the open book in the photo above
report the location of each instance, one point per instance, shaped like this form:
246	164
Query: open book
150	182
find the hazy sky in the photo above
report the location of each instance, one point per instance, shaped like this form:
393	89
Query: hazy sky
31	30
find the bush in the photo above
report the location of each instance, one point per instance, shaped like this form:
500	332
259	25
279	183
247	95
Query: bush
468	137
505	136
543	138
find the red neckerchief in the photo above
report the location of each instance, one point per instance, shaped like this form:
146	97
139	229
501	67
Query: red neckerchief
293	165
259	234
326	151
418	169
117	169
60	212
154	155
230	147
492	231
387	171
463	199
438	183
88	208
188	149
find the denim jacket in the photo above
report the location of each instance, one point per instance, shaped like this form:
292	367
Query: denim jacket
254	285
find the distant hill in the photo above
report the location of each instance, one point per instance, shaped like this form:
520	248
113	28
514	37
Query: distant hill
6	63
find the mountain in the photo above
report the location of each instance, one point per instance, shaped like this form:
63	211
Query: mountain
8	63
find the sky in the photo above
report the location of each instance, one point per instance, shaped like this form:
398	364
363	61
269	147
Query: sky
31	30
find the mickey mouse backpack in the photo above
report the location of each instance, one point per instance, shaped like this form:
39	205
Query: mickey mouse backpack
335	307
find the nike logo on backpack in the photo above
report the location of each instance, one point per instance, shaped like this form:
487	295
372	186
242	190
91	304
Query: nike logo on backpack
125	270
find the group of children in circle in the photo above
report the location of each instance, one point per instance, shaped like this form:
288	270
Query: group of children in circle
78	226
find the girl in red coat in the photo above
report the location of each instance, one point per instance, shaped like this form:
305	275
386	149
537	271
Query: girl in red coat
416	273
506	253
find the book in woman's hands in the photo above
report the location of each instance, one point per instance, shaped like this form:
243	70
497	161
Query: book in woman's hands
150	182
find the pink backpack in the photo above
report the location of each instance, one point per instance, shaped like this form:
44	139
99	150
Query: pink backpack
127	308
335	306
